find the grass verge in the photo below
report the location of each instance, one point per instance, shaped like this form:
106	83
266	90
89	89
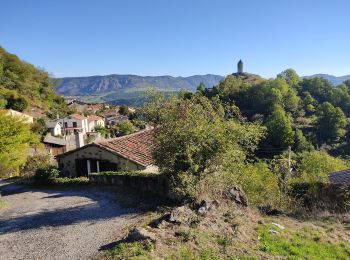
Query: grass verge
305	243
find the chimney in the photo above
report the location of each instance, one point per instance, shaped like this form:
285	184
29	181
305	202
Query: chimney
79	139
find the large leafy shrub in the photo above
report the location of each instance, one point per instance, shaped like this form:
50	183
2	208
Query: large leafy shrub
194	142
46	175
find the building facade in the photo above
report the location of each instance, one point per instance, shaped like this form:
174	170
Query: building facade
128	153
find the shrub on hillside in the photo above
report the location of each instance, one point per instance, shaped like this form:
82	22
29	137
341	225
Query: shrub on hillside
316	165
34	163
321	196
194	142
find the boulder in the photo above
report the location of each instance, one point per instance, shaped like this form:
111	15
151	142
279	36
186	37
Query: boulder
138	234
182	215
237	196
204	207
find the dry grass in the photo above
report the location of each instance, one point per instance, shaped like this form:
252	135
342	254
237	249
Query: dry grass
234	232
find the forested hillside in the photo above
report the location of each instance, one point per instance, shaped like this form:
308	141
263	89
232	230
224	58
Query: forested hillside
302	113
23	86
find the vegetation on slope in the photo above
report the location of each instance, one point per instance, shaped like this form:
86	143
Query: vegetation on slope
23	86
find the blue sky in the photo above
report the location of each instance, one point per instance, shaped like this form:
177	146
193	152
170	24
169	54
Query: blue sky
178	37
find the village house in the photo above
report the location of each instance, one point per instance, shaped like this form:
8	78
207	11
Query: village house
54	127
127	153
26	118
73	124
95	121
116	119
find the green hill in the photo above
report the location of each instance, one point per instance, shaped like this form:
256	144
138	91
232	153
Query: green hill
24	87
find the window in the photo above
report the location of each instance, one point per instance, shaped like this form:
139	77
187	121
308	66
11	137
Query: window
75	124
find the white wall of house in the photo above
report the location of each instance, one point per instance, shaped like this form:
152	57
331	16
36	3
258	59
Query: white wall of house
70	122
57	130
94	123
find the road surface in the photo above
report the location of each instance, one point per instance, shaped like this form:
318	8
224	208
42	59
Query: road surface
65	224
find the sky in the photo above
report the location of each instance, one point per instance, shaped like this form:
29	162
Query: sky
178	37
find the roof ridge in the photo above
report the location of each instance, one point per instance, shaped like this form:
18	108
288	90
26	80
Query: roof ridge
124	136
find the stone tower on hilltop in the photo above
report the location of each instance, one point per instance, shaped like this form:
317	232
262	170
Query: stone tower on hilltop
240	67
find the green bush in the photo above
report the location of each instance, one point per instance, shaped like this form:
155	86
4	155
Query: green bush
132	173
46	175
65	181
260	185
316	165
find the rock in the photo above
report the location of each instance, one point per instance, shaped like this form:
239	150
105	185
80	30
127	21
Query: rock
238	196
267	210
273	232
278	225
202	211
182	215
160	222
204	208
138	234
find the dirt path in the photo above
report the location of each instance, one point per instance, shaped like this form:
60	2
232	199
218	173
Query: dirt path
59	224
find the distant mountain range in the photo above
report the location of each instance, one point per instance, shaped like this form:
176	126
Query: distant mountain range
128	89
333	79
122	88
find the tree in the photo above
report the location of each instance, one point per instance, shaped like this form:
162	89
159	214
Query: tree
341	98
331	123
319	88
15	138
316	165
193	137
201	87
125	128
279	129
291	77
124	110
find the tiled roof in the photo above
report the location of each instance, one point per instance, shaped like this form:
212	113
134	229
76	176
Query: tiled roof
77	116
94	118
51	124
342	177
136	147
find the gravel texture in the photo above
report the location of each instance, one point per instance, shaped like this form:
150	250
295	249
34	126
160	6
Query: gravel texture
69	223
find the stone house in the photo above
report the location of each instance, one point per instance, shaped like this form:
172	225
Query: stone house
127	153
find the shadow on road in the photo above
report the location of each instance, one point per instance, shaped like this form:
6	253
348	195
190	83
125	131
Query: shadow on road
103	203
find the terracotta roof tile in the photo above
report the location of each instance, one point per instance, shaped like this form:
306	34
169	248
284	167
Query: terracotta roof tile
136	147
77	116
342	177
94	118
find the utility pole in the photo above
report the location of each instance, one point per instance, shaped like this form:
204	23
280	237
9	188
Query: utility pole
289	159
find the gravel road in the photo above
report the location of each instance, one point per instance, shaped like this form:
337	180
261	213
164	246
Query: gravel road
60	224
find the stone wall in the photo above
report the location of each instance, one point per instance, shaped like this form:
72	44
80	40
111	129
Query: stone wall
156	184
